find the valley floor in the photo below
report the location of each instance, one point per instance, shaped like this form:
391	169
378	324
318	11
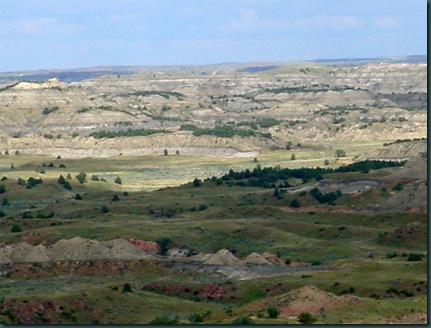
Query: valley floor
169	243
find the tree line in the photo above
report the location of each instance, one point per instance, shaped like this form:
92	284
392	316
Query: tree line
267	177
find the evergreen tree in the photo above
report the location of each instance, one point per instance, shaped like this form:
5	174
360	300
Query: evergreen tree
61	180
81	177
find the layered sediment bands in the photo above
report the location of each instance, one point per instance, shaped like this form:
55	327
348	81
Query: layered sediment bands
321	102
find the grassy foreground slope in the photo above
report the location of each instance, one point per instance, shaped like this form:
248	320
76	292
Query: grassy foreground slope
351	248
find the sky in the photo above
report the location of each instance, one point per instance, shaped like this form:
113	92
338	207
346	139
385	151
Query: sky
65	34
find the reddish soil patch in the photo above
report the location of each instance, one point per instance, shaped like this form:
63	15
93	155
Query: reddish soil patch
37	238
214	292
415	210
287	209
148	246
34	312
272	258
207	292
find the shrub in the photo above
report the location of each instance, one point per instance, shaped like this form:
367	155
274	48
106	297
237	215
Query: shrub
164	243
95	178
118	180
115	198
31	182
202	207
61	180
127	288
197	182
268	122
340	153
414	257
325	197
196	318
81	177
104	209
67	185
272	312
78	196
164	319
2	189
41	215
48	110
398	187
295	203
242	321
15	228
5	202
391	255
2	214
306	318
27	215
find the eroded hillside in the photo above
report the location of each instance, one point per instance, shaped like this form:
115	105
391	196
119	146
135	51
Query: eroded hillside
179	108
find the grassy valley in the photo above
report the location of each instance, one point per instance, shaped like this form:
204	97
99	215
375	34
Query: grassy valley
268	194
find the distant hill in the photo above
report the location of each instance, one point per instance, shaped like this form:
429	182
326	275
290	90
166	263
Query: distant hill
80	74
400	59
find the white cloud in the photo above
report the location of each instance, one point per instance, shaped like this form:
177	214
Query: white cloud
386	22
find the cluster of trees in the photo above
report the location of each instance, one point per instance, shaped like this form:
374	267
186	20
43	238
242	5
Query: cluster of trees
39	215
268	177
30	183
125	133
325	197
265	122
224	131
81	177
66	184
164	94
403	140
300	89
268	122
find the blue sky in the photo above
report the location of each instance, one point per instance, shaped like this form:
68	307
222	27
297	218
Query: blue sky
48	34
